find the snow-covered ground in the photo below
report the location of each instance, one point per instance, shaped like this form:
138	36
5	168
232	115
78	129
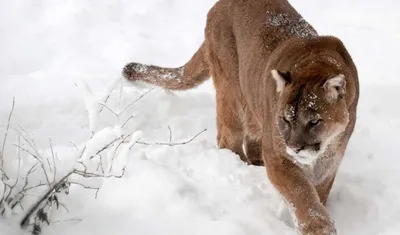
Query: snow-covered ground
48	46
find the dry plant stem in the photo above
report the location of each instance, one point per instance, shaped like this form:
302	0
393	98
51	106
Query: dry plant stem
38	158
105	147
108	96
87	187
109	109
55	187
95	175
137	99
5	139
54	160
63	221
170	134
118	114
116	149
126	122
174	144
32	144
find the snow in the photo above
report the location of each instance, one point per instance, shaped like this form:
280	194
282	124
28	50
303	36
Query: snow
49	46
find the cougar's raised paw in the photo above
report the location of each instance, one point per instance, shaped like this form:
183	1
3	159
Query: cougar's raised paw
319	227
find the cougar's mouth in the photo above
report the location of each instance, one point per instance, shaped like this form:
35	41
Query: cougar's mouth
304	156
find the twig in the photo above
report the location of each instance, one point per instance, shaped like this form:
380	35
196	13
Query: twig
33	145
11	187
126	122
54	160
21	194
170	134
101	164
137	99
67	220
5	138
95	175
174	144
73	144
54	188
112	111
116	149
87	187
38	159
108	96
49	164
105	147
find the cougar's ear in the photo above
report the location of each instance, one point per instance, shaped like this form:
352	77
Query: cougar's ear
335	87
281	79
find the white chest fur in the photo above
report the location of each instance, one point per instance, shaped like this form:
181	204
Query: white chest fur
323	165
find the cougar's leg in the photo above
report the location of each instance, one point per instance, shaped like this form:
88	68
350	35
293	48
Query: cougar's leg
253	151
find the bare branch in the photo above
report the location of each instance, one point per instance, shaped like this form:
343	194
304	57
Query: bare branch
176	143
54	160
95	175
126	122
67	220
87	187
109	109
108	96
105	147
170	134
5	137
73	144
137	99
4	194
32	140
49	164
54	188
38	159
116	149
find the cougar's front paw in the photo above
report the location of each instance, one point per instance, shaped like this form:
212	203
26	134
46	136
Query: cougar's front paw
318	226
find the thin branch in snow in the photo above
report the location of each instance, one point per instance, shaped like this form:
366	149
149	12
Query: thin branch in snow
137	99
170	134
109	109
101	165
95	175
126	122
118	114
38	158
75	146
176	143
116	149
54	160
63	221
30	140
55	188
110	87
16	199
63	206
87	187
105	147
49	164
5	138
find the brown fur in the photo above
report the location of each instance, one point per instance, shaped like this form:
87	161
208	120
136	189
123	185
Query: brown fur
280	87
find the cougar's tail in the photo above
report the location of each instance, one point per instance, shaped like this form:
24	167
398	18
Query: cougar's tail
188	76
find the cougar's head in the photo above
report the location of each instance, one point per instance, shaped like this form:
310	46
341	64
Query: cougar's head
311	113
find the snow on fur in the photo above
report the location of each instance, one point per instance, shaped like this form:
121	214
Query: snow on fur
194	188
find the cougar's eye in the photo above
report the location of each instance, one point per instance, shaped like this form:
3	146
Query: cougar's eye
285	120
314	123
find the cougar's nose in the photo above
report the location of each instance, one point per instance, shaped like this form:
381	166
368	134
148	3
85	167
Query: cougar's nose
296	147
